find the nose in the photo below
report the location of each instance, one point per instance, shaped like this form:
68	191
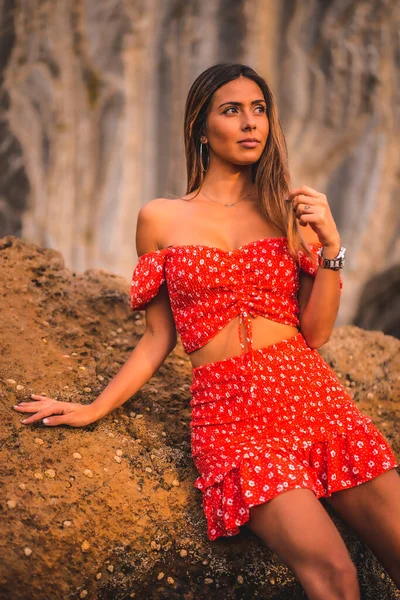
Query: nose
249	122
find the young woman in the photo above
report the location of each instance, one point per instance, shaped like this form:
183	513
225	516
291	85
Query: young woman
247	271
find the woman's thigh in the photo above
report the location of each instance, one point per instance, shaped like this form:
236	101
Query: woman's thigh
299	530
372	509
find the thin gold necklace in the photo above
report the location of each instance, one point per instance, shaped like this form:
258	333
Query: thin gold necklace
224	203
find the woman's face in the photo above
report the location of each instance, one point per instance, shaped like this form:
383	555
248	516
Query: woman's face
238	111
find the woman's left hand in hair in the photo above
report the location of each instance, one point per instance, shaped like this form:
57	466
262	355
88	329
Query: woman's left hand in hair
317	214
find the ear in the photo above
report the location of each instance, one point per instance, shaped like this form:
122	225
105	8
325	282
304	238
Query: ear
309	235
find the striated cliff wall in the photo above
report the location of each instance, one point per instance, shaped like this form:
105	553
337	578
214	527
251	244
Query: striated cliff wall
91	114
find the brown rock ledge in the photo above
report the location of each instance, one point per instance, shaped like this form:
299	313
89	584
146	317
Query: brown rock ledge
96	512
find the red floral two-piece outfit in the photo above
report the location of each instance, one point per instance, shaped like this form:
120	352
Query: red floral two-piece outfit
270	419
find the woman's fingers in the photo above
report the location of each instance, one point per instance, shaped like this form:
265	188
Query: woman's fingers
36	406
27	407
56	412
304	189
41	409
59	420
36	417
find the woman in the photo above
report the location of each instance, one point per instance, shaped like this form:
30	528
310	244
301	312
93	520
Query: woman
272	427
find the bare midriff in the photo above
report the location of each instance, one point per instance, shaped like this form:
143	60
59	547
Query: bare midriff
226	343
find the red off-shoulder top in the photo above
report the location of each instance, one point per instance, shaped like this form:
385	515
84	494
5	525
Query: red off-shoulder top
209	286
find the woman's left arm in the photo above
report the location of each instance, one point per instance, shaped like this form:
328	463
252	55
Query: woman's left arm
319	296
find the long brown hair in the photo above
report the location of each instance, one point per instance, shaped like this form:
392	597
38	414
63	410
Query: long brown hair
270	173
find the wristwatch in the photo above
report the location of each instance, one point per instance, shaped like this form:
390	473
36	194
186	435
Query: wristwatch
332	263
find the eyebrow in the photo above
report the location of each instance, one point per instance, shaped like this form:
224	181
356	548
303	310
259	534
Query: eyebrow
241	104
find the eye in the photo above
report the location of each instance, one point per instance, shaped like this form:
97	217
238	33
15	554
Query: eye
263	110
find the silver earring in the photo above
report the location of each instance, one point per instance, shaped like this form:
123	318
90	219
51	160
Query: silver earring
201	158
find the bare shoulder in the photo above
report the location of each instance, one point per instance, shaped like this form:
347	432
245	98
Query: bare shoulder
309	235
151	217
152	209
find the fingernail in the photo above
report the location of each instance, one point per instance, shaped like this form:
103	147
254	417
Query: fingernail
23	421
45	420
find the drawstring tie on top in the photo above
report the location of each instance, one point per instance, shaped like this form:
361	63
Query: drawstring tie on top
245	317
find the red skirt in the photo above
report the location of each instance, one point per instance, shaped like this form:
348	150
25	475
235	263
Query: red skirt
273	420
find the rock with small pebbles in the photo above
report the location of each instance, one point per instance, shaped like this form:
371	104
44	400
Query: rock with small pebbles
67	524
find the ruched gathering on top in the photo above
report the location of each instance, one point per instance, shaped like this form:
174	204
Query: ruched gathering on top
208	286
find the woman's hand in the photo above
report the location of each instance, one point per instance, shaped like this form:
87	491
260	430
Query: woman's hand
312	207
68	413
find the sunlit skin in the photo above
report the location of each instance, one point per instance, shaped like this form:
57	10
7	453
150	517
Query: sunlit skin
229	172
372	508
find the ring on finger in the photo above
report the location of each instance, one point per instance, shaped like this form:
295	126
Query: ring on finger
307	206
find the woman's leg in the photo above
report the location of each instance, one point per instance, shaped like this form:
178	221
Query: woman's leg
372	509
298	529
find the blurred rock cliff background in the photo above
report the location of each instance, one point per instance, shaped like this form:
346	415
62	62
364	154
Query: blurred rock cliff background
92	96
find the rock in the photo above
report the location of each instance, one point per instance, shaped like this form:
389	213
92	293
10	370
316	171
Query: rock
129	512
67	523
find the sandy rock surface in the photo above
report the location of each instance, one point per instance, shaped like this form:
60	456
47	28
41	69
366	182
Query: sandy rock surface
109	511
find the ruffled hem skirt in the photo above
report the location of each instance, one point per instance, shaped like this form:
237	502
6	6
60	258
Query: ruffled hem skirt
275	420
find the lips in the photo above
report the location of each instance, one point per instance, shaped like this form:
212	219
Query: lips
249	140
249	144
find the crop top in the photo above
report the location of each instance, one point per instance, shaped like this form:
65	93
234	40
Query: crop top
208	286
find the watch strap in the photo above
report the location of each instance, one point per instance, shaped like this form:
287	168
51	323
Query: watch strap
332	263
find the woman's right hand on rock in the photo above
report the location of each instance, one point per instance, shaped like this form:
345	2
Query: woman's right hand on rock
66	413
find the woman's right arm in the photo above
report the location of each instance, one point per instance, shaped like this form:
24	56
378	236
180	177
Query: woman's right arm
157	342
150	352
